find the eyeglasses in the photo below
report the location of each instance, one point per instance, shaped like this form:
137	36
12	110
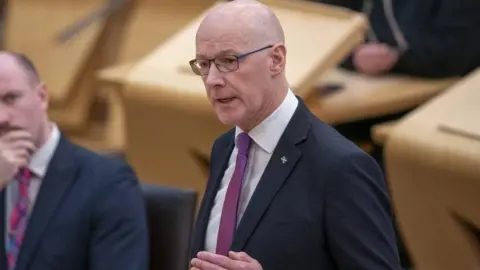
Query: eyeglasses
224	63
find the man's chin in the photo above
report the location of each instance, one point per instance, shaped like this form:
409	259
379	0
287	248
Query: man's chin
228	119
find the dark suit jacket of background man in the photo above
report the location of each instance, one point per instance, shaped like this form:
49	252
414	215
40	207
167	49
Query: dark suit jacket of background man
443	35
326	208
89	215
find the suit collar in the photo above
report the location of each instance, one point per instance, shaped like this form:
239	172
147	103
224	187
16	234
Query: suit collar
57	182
41	158
283	161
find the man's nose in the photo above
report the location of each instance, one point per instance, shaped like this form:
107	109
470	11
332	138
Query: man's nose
4	117
214	77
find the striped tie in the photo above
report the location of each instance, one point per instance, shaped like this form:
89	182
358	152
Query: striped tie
18	218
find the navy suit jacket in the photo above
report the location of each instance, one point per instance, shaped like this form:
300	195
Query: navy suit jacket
89	215
326	208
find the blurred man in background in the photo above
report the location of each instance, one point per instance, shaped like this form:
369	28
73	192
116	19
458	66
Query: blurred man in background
428	38
63	206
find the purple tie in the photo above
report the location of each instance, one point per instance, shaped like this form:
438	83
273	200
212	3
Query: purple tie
228	221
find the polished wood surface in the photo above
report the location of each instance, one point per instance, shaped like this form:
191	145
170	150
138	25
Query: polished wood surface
432	161
365	96
68	69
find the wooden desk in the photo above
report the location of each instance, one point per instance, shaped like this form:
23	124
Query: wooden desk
433	161
364	97
150	23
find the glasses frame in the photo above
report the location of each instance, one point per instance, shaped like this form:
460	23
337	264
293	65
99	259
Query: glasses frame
210	61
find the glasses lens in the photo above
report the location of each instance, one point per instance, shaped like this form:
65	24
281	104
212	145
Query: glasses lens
199	66
227	63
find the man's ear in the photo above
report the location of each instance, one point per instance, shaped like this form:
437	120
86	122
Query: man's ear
43	95
279	55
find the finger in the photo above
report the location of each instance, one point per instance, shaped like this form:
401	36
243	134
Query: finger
216	259
20	157
17	134
21	162
23	144
204	265
240	256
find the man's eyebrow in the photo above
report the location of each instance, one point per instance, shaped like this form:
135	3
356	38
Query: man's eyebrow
220	53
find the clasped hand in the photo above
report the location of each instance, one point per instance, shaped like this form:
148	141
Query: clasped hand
234	261
375	58
16	148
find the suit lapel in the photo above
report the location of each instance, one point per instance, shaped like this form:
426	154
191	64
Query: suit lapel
56	183
214	181
281	164
3	261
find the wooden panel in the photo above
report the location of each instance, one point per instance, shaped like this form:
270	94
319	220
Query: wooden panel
435	181
68	68
31	27
154	21
363	96
381	132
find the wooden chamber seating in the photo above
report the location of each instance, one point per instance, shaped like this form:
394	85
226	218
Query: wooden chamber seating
69	69
432	162
151	23
363	97
170	126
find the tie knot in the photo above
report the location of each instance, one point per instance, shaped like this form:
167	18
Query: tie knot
24	176
243	143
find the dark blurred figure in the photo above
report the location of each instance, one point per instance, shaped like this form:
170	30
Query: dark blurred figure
427	38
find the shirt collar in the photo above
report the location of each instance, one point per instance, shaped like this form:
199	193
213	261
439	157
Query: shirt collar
268	132
41	158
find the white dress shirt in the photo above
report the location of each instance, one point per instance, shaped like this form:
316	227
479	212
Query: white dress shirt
265	137
38	166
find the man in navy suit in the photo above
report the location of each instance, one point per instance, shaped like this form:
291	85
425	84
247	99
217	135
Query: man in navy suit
285	190
62	206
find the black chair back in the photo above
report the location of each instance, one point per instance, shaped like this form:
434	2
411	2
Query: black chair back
171	214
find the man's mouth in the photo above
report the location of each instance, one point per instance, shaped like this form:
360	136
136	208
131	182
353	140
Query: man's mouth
225	100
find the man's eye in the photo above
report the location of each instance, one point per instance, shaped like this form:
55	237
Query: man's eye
10	98
202	64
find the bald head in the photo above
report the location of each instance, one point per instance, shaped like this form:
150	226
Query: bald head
253	22
245	42
15	61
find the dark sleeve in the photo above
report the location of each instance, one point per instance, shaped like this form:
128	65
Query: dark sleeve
119	227
356	5
359	227
446	45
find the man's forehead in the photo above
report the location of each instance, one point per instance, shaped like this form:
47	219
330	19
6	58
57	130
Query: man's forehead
215	44
12	75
